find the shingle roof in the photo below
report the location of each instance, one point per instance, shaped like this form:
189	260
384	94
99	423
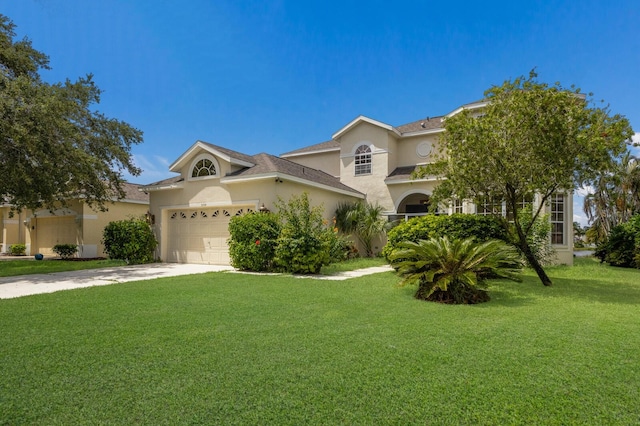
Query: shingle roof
267	163
231	153
401	173
133	193
428	123
323	146
167	181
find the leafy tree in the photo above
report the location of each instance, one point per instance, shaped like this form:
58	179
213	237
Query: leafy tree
362	219
54	145
454	271
615	197
529	138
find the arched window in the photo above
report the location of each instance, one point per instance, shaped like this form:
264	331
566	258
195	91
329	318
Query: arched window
363	160
203	167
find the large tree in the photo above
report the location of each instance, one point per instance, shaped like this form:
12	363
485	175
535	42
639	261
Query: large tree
530	138
615	197
54	145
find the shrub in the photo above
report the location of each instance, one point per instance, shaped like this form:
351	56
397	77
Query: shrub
362	219
65	251
18	249
253	241
454	271
456	226
304	243
622	247
130	240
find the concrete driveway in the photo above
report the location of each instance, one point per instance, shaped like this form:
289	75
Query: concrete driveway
25	285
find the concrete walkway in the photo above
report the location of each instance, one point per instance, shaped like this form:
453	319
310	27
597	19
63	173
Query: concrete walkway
25	285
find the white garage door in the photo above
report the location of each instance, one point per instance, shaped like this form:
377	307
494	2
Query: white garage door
55	230
200	235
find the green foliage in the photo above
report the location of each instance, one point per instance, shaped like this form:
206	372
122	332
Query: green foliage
362	219
17	249
253	241
54	144
130	240
529	138
65	251
453	271
538	237
615	197
304	243
622	248
456	226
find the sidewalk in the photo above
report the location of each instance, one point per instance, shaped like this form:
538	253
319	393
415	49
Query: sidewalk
25	285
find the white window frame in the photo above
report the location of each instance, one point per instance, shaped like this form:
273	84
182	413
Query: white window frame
558	213
362	163
200	158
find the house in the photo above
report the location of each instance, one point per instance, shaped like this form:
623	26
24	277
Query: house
366	159
77	223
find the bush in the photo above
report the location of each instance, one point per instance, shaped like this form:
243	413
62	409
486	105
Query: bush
456	226
253	241
454	271
65	251
18	249
130	240
304	243
622	247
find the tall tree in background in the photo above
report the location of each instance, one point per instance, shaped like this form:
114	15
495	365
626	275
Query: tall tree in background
53	145
530	138
615	197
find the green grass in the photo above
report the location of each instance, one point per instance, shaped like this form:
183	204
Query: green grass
225	348
352	265
10	268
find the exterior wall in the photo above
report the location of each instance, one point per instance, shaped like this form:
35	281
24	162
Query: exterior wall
328	162
253	194
92	225
12	229
372	185
83	226
408	146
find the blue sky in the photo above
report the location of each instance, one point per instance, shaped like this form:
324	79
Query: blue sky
273	76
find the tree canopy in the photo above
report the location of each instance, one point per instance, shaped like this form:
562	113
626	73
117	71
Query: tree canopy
54	145
529	138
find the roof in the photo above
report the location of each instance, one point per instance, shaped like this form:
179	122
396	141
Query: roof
401	173
428	123
270	164
132	192
266	166
331	145
229	155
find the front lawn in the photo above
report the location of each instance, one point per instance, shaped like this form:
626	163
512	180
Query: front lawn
225	348
11	268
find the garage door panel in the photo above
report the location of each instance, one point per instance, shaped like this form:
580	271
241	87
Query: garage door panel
200	235
55	230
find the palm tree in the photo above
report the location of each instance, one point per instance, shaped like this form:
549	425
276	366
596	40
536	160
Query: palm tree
455	271
364	220
616	197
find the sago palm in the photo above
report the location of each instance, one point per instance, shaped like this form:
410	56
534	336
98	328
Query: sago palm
454	271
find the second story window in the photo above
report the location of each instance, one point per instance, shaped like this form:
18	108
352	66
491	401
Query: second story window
202	168
363	160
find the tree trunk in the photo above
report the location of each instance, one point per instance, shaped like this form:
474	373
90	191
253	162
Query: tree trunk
528	254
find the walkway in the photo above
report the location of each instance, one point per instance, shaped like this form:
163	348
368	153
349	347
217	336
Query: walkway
25	285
